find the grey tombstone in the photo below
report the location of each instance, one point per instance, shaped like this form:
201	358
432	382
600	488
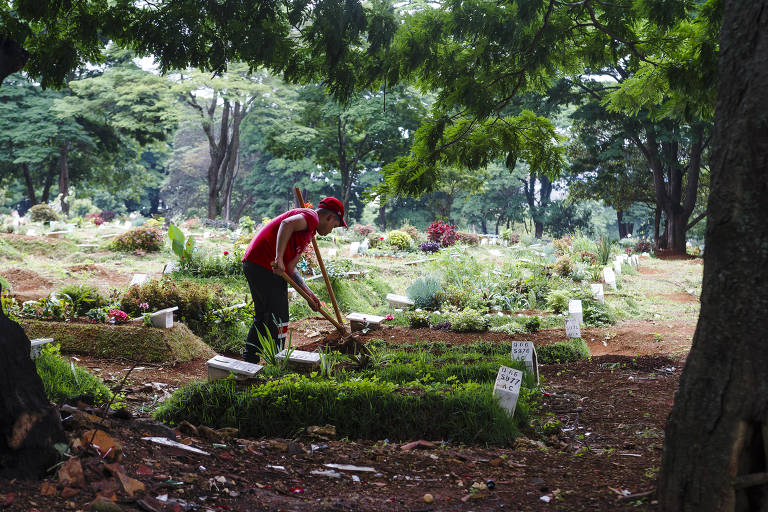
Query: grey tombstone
220	367
399	300
617	267
507	388
360	321
526	352
610	278
575	310
354	248
300	358
36	346
572	328
597	292
171	267
163	319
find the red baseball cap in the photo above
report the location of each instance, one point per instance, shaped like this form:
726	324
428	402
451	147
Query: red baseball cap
333	204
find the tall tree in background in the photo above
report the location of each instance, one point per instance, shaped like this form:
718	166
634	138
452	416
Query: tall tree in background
716	442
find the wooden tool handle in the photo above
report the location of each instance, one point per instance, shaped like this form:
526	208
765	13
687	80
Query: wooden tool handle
306	296
336	309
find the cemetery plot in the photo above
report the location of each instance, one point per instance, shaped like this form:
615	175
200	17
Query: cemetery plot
525	351
572	327
507	388
300	358
220	367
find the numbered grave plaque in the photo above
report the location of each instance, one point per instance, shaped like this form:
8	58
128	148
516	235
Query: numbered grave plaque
572	328
220	367
507	388
526	352
597	292
300	357
575	310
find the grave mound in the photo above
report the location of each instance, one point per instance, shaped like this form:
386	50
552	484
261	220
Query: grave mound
136	343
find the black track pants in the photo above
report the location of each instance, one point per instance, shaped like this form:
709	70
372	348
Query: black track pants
270	303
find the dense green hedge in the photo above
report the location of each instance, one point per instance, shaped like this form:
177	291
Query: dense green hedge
359	409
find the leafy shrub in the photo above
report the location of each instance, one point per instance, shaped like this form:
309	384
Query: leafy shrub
181	247
562	245
82	297
412	231
442	232
399	239
579	272
563	352
642	246
82	206
247	224
363	408
426	292
469	320
557	300
143	238
429	246
363	230
510	236
63	380
374	239
418	320
42	213
597	314
532	324
107	215
563	266
202	263
468	238
588	257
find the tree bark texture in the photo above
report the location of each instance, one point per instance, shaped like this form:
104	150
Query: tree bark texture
28	182
716	443
29	425
64	178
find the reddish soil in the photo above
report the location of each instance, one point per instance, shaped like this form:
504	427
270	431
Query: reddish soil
680	297
106	278
649	270
612	411
27	284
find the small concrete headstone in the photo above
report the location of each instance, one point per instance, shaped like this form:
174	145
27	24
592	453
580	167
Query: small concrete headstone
31	232
597	292
635	260
483	241
163	319
575	310
219	367
610	278
572	328
617	267
332	253
36	346
360	321
171	267
138	279
354	248
57	234
300	358
398	300
507	388
292	294
526	352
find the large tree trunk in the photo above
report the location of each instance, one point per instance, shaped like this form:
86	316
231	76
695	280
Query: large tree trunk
716	443
64	179
47	184
29	426
28	182
12	57
539	226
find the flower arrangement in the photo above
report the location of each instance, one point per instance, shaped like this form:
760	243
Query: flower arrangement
117	316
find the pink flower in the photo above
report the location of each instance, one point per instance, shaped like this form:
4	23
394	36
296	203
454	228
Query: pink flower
226	253
382	238
389	317
143	306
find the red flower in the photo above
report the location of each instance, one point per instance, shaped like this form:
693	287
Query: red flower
389	317
226	253
307	205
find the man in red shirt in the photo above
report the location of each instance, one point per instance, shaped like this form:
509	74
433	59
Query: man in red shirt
277	248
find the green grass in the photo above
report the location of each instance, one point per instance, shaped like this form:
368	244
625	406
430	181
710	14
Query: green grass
359	409
563	351
63	380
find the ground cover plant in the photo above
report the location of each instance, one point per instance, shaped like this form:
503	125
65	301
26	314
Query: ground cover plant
65	381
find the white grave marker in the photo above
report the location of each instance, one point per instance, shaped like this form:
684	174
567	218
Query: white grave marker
359	321
617	267
572	329
610	278
139	279
597	292
331	253
300	357
398	300
171	267
219	367
507	388
354	248
575	310
526	352
163	319
36	346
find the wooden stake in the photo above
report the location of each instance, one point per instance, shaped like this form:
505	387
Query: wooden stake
300	200
337	325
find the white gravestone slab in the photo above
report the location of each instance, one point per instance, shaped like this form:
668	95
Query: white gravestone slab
354	248
219	367
36	346
163	318
31	232
610	278
507	388
359	321
139	279
572	328
300	357
575	310
597	292
171	267
483	241
617	267
332	253
635	260
398	300
526	352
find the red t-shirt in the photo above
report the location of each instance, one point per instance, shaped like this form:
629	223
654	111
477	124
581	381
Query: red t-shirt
261	250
